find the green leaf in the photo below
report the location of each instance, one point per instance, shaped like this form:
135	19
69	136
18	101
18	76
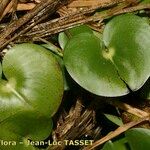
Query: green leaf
116	145
63	37
35	77
145	1
129	36
7	141
123	59
61	62
138	138
57	55
98	34
54	49
115	119
29	125
78	30
121	144
20	128
86	65
108	146
0	70
32	91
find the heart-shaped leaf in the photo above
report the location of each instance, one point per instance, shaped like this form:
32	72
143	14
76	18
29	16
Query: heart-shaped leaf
87	66
138	138
105	69
31	92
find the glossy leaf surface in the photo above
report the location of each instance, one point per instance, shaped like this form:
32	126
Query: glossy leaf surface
64	37
129	36
105	69
31	92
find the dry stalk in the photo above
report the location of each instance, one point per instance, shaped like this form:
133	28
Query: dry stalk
20	7
117	132
3	5
67	22
35	13
63	23
128	108
74	125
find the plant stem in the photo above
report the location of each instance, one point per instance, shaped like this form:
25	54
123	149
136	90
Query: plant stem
67	22
128	108
34	13
117	132
3	5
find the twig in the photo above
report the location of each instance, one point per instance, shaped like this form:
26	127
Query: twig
3	5
59	25
26	6
89	3
14	8
11	7
63	23
121	11
17	24
7	9
20	7
134	8
75	124
117	132
128	108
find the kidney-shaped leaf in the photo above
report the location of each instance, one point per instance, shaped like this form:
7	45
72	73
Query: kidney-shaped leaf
87	66
105	70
